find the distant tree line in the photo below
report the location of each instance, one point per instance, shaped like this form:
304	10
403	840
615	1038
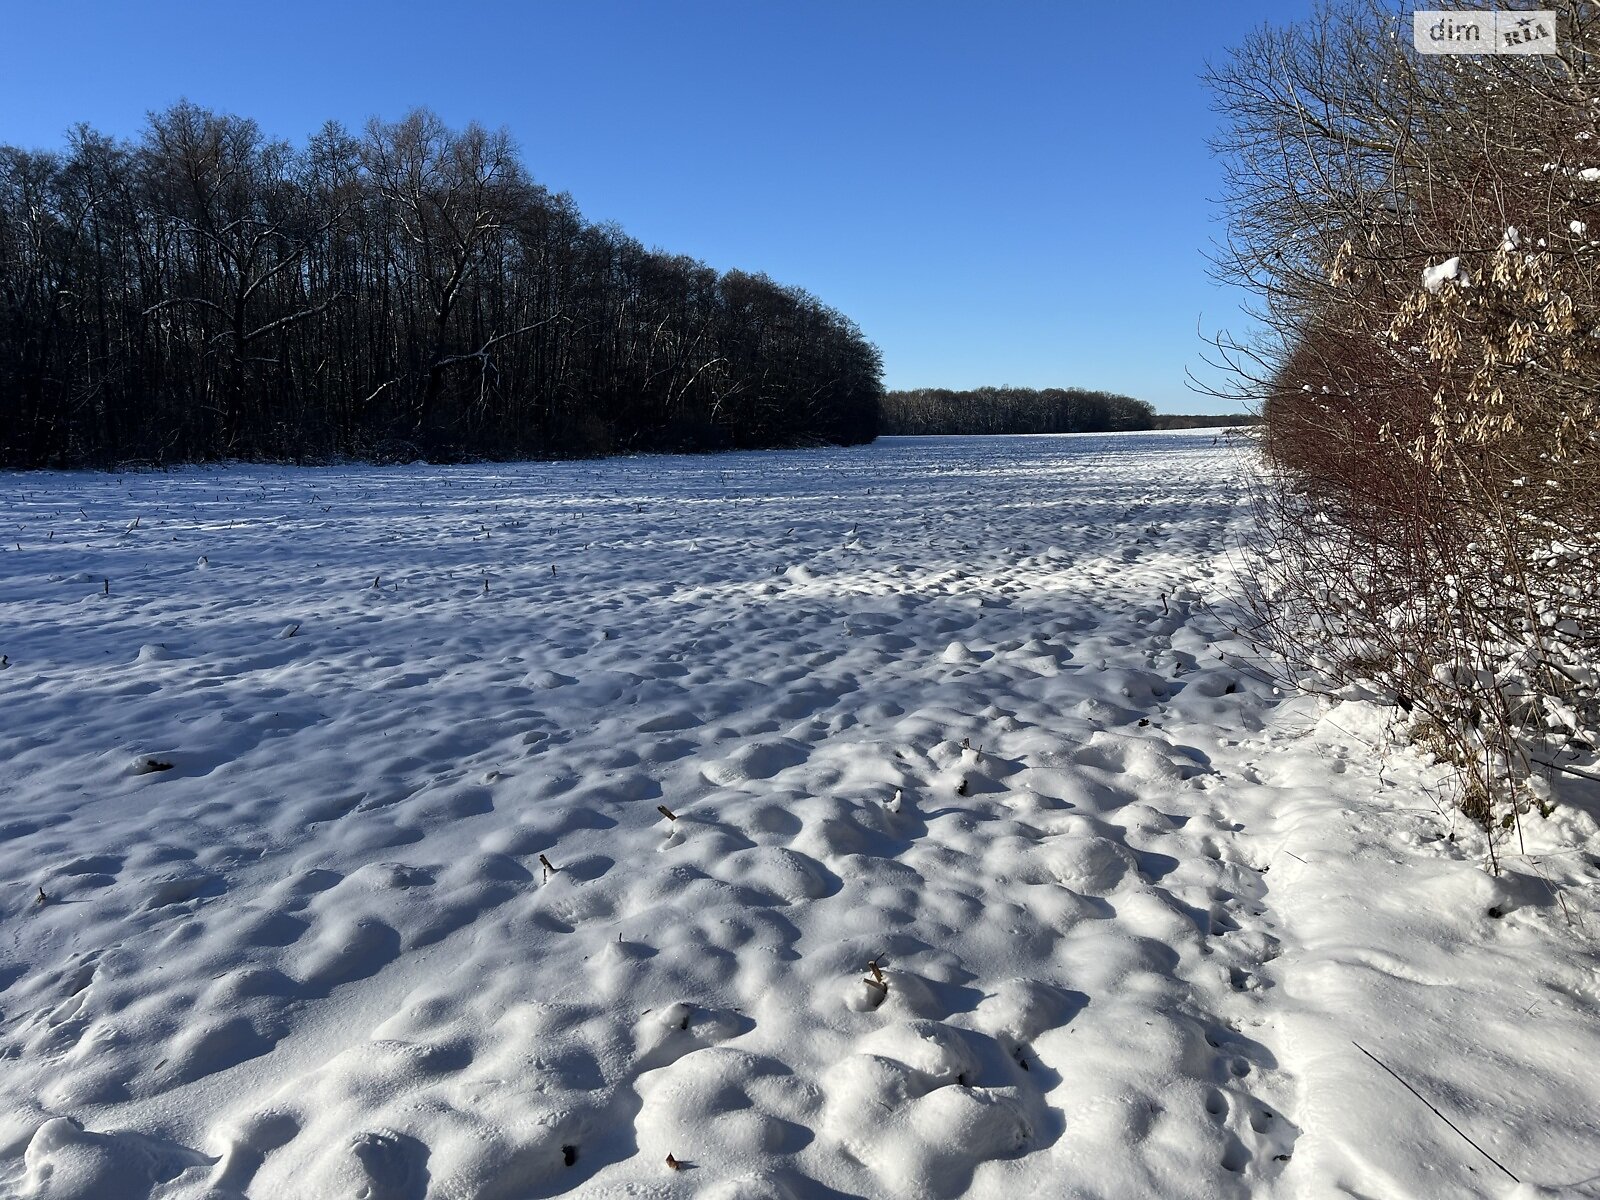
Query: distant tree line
1203	420
1011	410
208	292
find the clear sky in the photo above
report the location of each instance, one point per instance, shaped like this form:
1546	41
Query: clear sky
997	192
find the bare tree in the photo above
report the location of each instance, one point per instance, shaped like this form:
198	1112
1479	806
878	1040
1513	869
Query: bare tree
410	290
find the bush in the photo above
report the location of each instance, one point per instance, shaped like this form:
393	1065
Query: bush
1416	231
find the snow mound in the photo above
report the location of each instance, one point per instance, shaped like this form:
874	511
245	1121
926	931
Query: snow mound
755	761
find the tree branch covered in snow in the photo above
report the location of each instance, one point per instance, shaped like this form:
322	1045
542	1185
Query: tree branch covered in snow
1415	231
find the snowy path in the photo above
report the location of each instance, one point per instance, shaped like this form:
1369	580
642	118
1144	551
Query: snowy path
953	706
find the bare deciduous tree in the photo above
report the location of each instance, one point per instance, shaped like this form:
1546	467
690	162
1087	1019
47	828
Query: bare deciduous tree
406	291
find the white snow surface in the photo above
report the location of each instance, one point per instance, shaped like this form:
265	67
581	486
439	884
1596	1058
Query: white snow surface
284	771
1434	277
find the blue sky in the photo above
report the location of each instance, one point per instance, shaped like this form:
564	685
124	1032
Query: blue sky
1013	192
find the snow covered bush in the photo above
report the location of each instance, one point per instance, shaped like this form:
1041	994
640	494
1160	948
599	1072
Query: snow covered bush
1416	231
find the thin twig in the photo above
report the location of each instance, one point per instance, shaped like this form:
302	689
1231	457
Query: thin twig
1435	1111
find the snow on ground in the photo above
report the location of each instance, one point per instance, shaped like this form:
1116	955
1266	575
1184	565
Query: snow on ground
344	791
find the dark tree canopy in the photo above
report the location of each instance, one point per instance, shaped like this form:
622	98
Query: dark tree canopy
1012	410
208	292
1203	420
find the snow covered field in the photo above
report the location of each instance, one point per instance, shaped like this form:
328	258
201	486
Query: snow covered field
344	791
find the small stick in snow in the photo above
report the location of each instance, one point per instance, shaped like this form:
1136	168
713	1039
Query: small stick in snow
1562	899
1435	1111
1165	610
375	580
43	899
108	587
877	986
486	585
549	870
666	812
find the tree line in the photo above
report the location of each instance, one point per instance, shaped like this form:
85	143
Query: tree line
208	292
1011	410
1204	420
